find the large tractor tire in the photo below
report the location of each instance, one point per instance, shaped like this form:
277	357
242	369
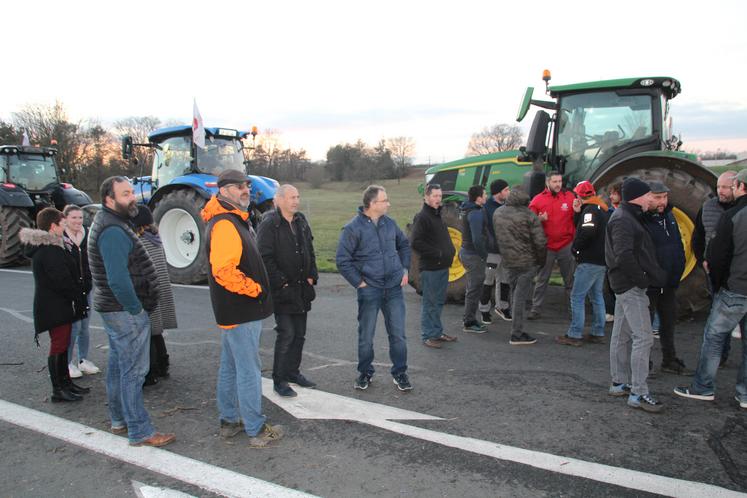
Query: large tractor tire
457	272
690	185
182	231
11	221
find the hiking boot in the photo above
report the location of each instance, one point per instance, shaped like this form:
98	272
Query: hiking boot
268	434
156	440
432	343
533	315
475	328
645	402
362	382
687	392
568	341
486	319
284	390
301	381
619	389
230	429
676	366
446	338
595	339
522	340
504	314
402	382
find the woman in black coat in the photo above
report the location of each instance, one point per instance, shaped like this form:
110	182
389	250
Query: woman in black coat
59	297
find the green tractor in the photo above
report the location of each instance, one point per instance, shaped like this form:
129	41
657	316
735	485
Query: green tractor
601	131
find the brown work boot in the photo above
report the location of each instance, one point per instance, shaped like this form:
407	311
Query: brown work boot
119	430
268	434
230	429
157	440
595	339
568	341
446	338
432	343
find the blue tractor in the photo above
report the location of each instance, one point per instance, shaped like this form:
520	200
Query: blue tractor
182	180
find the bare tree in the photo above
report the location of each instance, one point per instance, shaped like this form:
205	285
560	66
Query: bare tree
403	152
138	128
497	138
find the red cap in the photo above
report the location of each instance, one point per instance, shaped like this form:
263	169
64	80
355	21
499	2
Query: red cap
585	189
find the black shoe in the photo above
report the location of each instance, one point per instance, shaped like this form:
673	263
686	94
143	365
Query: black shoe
283	389
59	395
402	382
362	382
533	315
151	379
522	340
302	381
76	389
677	367
161	355
486	318
61	381
505	314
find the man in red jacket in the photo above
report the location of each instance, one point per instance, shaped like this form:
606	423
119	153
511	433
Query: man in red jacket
555	207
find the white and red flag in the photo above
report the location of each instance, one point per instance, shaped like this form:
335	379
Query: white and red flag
198	130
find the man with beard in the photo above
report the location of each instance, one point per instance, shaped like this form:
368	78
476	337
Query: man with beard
240	294
126	290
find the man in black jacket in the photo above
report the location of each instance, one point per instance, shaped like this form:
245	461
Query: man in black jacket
286	245
431	240
727	262
588	279
631	258
670	253
495	276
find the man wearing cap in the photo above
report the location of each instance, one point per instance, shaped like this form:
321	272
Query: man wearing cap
630	255
727	262
494	275
588	279
240	294
555	207
670	254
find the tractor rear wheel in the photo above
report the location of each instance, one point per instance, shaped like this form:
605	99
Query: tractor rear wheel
457	272
11	221
689	189
182	230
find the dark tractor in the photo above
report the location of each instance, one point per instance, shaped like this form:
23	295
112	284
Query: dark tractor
29	182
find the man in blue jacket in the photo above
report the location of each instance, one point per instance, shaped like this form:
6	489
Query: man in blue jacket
473	254
373	256
670	254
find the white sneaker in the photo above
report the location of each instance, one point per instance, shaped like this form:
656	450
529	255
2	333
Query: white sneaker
74	372
88	368
736	333
609	318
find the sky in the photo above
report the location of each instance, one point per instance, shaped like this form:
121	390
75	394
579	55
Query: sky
328	72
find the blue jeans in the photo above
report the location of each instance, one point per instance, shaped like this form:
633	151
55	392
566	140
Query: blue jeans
728	310
129	361
588	279
433	284
391	302
80	334
239	392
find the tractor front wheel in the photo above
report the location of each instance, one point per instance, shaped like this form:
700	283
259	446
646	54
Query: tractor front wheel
11	221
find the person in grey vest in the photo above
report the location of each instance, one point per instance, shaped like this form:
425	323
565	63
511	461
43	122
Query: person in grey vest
126	289
727	264
163	317
705	229
241	299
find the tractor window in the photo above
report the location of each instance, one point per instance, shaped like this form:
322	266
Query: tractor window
172	160
594	126
447	179
220	154
32	171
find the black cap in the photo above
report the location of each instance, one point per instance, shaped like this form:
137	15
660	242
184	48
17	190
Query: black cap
658	187
633	188
497	186
230	176
144	217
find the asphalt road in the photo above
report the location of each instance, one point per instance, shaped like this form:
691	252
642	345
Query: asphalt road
546	398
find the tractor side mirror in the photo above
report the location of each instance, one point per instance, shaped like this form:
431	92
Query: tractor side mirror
126	147
538	135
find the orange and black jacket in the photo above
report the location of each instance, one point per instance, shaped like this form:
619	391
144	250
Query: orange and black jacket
239	286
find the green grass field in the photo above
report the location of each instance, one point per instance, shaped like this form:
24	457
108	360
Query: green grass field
330	207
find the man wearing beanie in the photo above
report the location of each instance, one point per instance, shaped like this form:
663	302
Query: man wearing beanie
588	279
633	268
494	275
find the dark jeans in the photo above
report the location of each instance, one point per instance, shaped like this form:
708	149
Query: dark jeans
664	302
520	280
291	334
433	284
475	266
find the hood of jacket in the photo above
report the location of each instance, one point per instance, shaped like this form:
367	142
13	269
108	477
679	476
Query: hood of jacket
34	238
469	205
517	197
216	206
597	201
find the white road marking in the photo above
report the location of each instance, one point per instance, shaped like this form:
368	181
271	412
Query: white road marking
18	315
315	404
145	491
205	476
15	271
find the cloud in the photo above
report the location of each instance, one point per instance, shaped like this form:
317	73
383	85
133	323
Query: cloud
710	120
